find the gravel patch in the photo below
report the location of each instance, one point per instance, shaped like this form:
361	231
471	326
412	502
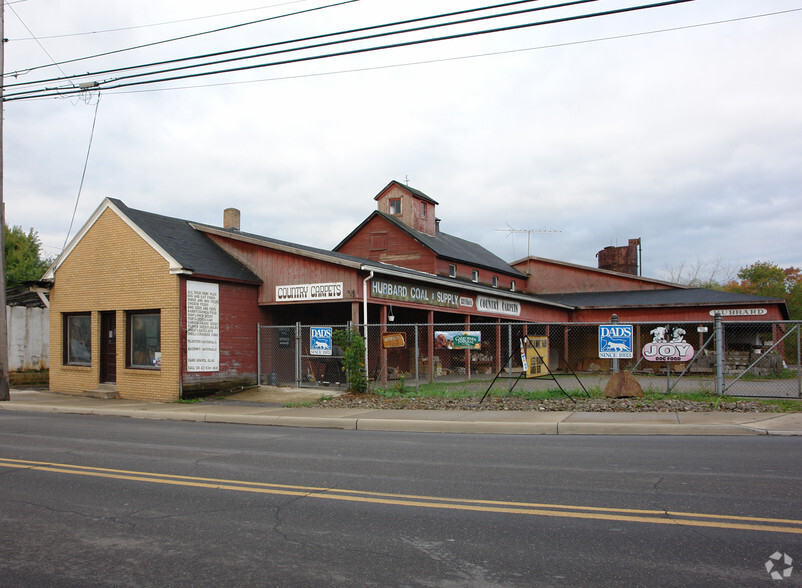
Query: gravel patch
553	404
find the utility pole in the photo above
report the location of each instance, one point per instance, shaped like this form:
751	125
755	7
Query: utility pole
4	385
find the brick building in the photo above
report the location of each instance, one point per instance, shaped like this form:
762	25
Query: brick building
154	307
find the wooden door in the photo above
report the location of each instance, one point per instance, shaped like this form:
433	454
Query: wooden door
108	347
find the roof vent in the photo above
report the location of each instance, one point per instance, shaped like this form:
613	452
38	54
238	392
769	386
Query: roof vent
231	218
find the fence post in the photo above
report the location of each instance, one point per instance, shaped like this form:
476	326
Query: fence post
258	354
719	354
417	360
509	355
298	352
798	361
614	321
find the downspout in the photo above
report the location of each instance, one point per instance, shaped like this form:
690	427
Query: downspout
365	317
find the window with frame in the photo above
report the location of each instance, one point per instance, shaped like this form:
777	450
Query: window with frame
78	339
378	241
423	210
452	270
144	340
475	275
512	285
495	281
395	206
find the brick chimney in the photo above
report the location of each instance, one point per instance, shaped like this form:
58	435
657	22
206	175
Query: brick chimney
231	218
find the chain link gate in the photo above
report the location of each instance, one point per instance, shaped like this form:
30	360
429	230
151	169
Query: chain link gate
287	357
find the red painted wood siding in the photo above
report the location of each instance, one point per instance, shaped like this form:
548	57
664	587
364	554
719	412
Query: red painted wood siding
662	314
401	249
556	278
279	268
239	317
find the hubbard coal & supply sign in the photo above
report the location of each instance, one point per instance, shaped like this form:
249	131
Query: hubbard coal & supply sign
413	293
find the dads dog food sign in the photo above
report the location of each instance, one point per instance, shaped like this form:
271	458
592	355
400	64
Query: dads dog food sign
320	341
615	341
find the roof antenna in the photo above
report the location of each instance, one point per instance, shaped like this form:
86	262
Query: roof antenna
406	179
528	232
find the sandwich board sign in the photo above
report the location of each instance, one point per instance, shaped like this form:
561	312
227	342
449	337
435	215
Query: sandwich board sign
320	341
615	341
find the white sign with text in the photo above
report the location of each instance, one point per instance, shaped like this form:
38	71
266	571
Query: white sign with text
203	327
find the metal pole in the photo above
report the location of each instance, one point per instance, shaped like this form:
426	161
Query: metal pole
417	360
798	361
258	354
719	354
4	385
298	352
614	321
509	356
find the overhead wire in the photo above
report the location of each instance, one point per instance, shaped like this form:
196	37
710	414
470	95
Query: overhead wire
83	173
462	57
171	40
115	84
157	24
42	47
277	43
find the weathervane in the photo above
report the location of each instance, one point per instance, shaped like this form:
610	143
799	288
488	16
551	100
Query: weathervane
528	232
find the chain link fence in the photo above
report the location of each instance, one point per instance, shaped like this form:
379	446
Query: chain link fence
749	358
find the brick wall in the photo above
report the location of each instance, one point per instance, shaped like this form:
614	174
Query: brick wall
114	269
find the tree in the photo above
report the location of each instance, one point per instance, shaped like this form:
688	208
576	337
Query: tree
23	256
699	274
353	347
764	278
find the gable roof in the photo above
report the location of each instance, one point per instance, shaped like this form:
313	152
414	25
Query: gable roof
667	297
417	193
446	246
186	250
368	265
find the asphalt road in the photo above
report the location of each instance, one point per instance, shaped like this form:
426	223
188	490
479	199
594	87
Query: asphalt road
90	500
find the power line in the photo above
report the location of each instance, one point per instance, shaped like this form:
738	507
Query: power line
42	47
156	24
287	42
461	57
174	39
57	92
83	173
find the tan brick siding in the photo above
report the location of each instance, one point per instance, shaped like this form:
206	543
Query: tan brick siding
114	269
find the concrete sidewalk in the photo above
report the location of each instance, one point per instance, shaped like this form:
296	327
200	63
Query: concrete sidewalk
266	408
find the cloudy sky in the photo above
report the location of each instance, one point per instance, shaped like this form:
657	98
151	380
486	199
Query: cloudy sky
658	124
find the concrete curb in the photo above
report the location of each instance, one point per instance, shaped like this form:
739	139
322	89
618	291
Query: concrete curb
438	421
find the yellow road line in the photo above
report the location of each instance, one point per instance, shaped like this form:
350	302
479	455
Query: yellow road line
658	517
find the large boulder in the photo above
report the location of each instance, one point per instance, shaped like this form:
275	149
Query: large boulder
623	385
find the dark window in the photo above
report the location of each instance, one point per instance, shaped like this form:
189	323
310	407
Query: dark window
395	206
78	339
452	271
423	210
144	340
495	281
512	285
475	275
